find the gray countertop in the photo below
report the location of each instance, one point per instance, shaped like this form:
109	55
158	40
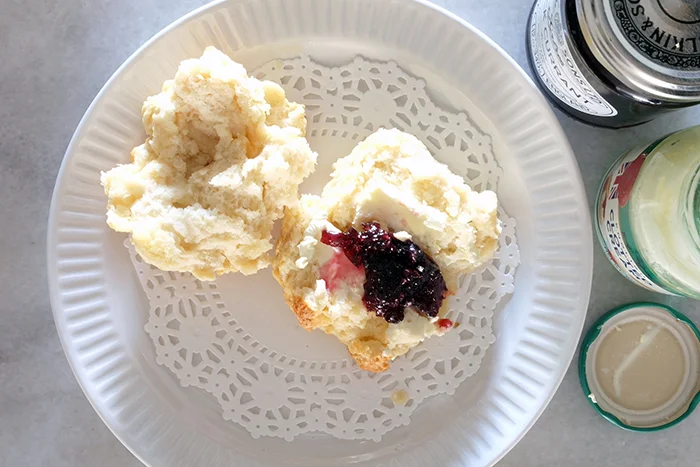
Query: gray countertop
54	57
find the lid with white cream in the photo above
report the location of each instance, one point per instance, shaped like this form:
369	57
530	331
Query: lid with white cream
640	366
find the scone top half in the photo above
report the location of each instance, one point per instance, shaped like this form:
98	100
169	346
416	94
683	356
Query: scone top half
390	179
224	154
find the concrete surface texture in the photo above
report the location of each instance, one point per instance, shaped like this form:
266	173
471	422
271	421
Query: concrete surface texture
54	57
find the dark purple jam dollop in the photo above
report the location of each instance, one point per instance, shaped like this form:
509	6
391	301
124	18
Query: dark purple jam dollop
398	274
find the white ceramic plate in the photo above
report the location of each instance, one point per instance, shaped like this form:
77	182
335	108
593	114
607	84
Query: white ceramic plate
100	308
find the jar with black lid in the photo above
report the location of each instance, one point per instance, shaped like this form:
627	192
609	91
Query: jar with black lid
616	63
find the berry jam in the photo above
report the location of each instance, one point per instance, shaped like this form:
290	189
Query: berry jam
444	324
398	274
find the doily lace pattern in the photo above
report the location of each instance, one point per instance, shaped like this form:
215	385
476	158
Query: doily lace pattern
196	333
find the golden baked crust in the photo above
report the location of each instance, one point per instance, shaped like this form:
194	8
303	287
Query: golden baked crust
293	280
290	236
369	354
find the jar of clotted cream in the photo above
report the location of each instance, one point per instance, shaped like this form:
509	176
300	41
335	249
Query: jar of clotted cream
648	214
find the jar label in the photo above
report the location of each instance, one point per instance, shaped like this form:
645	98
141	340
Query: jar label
555	65
613	217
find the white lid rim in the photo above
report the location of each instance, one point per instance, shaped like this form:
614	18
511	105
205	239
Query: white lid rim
593	335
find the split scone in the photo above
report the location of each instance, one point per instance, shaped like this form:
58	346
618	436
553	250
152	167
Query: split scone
372	260
224	154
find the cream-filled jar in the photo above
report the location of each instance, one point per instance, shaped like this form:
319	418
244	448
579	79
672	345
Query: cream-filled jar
648	214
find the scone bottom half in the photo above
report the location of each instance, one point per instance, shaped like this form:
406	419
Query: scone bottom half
372	260
224	155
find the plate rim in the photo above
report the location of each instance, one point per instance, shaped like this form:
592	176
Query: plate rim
549	115
555	124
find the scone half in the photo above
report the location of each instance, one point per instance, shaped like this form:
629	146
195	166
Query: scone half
224	154
392	181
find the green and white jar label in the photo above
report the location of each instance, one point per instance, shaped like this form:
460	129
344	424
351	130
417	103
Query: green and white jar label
613	219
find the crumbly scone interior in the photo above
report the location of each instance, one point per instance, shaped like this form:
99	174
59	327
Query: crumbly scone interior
390	178
224	155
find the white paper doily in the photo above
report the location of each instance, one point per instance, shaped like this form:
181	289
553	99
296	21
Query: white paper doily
265	388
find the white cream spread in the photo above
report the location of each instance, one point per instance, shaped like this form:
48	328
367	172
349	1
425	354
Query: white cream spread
399	213
310	246
411	331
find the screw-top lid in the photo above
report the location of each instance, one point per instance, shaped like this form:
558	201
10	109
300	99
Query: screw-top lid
651	46
639	366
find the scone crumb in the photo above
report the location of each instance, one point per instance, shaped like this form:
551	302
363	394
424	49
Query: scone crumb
400	397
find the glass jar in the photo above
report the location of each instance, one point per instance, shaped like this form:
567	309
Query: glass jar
648	214
616	63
